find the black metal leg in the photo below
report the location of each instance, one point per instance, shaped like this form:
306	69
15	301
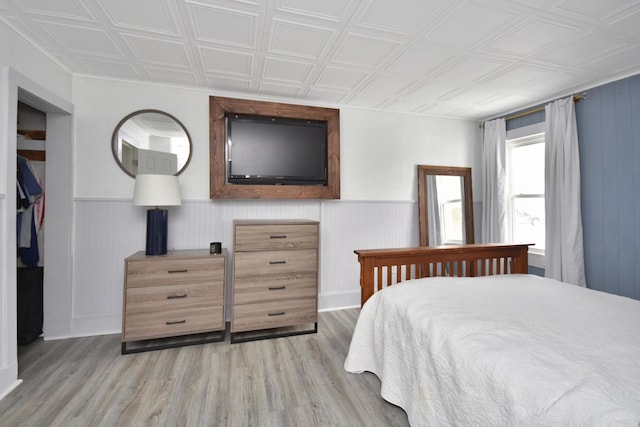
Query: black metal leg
220	336
235	339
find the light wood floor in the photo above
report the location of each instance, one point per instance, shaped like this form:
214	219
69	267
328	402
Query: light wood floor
294	381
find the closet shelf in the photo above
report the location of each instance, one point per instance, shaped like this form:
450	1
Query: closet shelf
38	135
37	155
34	135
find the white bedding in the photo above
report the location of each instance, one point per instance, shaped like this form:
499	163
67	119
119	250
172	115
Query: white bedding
515	350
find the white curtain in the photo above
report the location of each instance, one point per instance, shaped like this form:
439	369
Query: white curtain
494	192
564	249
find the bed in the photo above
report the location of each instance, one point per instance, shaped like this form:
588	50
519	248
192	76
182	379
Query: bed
463	336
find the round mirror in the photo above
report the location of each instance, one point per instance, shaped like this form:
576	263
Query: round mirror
151	142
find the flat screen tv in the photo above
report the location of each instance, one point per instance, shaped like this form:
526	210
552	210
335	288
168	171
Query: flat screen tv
263	150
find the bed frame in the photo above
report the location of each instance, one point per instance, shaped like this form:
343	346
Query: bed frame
383	267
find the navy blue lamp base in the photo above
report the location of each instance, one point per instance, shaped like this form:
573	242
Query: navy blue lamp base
157	220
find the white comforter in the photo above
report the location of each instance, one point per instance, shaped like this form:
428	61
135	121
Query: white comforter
515	350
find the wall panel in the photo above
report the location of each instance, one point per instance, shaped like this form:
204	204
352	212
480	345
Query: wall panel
592	187
107	231
529	119
610	177
347	226
634	89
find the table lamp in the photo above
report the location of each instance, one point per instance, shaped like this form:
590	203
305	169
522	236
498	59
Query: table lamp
158	191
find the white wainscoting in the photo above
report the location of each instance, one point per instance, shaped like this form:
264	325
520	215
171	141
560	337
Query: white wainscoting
107	231
347	226
8	322
8	361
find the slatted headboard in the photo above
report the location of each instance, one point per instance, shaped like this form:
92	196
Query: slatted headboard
383	267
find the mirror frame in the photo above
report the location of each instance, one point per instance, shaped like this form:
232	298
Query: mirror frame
465	174
114	138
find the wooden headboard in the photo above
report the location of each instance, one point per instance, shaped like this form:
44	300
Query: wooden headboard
383	267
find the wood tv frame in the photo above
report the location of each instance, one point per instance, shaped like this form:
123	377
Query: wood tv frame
218	186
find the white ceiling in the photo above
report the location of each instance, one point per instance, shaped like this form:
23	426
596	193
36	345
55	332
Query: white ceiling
471	59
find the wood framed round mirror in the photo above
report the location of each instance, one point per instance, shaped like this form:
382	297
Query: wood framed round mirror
151	141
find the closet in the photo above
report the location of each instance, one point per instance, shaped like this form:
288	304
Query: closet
30	211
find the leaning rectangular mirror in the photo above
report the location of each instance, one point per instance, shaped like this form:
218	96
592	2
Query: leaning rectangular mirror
445	205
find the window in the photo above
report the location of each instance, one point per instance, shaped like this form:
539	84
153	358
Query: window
449	195
525	176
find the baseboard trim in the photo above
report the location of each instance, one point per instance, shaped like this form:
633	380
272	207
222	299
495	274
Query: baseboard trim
339	300
9	380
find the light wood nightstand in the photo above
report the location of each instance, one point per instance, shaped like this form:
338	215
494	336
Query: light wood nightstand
178	294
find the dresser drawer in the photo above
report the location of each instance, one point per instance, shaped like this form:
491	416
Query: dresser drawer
247	264
172	297
248	290
161	324
166	272
276	236
250	317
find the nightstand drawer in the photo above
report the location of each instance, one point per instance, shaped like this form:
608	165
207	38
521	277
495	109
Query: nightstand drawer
172	297
276	236
269	288
143	326
247	264
154	272
250	317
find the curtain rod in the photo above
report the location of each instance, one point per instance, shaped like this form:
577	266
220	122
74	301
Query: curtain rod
576	98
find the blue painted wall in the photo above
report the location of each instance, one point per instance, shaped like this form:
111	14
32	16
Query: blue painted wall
609	134
529	119
536	270
609	140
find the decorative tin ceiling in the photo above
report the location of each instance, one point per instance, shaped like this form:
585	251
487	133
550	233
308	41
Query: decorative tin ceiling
470	59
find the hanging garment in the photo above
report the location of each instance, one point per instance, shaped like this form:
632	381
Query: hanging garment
30	255
28	180
28	193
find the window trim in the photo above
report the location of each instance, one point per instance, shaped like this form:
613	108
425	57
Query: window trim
528	135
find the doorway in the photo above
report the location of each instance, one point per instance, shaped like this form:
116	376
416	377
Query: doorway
57	247
30	211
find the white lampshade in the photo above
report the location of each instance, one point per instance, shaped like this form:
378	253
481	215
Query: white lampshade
156	190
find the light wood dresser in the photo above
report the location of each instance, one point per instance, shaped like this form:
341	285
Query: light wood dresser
275	278
177	294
